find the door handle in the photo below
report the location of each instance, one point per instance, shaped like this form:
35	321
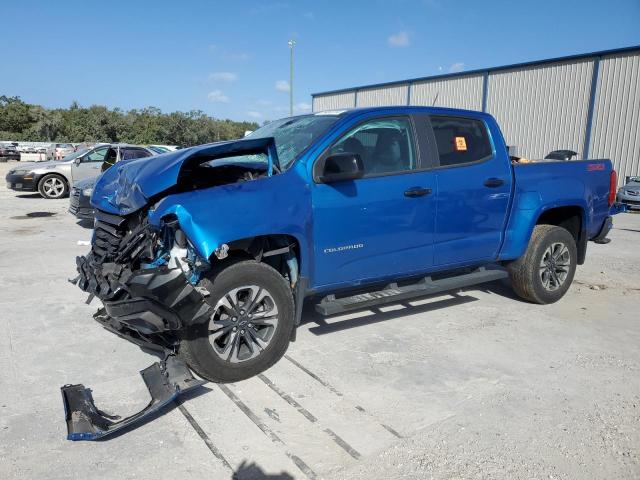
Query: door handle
493	182
417	192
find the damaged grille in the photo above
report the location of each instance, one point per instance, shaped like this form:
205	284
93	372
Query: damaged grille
119	244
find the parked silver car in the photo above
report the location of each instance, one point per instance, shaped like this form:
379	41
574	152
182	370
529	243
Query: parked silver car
630	194
58	151
53	179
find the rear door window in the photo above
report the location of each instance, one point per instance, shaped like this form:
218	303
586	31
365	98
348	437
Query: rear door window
460	140
130	153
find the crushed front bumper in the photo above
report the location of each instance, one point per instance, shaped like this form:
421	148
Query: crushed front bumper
144	301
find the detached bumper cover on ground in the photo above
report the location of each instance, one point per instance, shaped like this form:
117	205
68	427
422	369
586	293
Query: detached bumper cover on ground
165	381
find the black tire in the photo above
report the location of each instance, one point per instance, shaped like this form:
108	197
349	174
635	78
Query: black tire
45	181
534	282
195	346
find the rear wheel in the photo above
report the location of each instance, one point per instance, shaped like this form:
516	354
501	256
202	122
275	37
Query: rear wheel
545	272
53	186
250	327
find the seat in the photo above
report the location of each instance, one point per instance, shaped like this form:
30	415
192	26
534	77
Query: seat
387	156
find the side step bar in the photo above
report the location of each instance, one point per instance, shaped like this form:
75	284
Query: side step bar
330	305
165	380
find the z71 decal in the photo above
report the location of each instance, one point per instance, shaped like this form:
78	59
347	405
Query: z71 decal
592	167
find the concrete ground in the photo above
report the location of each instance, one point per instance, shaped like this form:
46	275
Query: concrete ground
475	384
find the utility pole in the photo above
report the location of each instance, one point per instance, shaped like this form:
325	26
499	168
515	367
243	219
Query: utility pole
291	45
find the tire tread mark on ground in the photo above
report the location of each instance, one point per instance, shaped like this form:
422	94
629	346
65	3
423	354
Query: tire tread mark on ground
309	416
314	376
304	468
327	385
203	435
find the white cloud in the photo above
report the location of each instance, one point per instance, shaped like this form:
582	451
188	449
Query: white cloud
456	67
253	114
241	56
227	77
302	107
217	96
400	39
282	86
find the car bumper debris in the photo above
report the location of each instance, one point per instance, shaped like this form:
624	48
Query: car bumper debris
146	283
165	381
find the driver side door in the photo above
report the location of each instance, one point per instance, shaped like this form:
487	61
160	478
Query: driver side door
89	165
381	225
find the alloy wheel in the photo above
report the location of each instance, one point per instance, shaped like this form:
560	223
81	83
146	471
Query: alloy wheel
554	266
243	323
53	187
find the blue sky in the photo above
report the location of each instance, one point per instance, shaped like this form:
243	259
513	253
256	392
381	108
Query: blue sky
231	59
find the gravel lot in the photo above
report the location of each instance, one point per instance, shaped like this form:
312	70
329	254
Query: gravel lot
474	384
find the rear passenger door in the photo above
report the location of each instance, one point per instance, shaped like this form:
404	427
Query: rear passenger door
474	185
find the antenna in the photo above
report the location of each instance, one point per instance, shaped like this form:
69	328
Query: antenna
435	99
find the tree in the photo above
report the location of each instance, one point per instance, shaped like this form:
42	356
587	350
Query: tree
97	123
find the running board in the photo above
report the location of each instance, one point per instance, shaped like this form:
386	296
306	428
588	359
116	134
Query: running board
165	380
330	305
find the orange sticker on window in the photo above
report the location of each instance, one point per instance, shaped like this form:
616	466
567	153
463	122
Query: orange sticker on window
461	144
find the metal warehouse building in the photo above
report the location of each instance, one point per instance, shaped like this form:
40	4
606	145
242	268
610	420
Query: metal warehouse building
588	103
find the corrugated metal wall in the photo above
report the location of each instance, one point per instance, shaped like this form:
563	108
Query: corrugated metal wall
542	108
458	92
615	133
333	101
377	97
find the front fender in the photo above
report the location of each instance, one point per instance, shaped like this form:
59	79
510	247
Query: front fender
270	205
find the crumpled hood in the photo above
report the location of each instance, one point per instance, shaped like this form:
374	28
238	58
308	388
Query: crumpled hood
128	185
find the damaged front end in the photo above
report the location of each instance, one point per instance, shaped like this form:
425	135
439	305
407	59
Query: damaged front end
145	278
145	269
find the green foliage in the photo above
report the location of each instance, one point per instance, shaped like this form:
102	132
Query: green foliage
26	122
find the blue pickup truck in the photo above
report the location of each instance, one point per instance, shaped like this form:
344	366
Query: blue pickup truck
209	252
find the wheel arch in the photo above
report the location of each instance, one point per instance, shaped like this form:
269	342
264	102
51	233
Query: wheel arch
277	250
573	219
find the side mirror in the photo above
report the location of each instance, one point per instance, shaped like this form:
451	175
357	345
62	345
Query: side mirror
342	166
77	161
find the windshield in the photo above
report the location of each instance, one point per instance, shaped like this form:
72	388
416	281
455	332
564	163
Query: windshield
75	155
294	135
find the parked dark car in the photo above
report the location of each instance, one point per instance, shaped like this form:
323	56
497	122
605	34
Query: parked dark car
80	199
8	152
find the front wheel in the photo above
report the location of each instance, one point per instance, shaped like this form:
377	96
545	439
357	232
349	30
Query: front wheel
53	186
545	272
250	327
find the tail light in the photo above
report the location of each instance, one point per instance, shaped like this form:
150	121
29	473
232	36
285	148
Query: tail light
613	186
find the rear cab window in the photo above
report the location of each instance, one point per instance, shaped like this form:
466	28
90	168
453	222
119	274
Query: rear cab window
460	140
